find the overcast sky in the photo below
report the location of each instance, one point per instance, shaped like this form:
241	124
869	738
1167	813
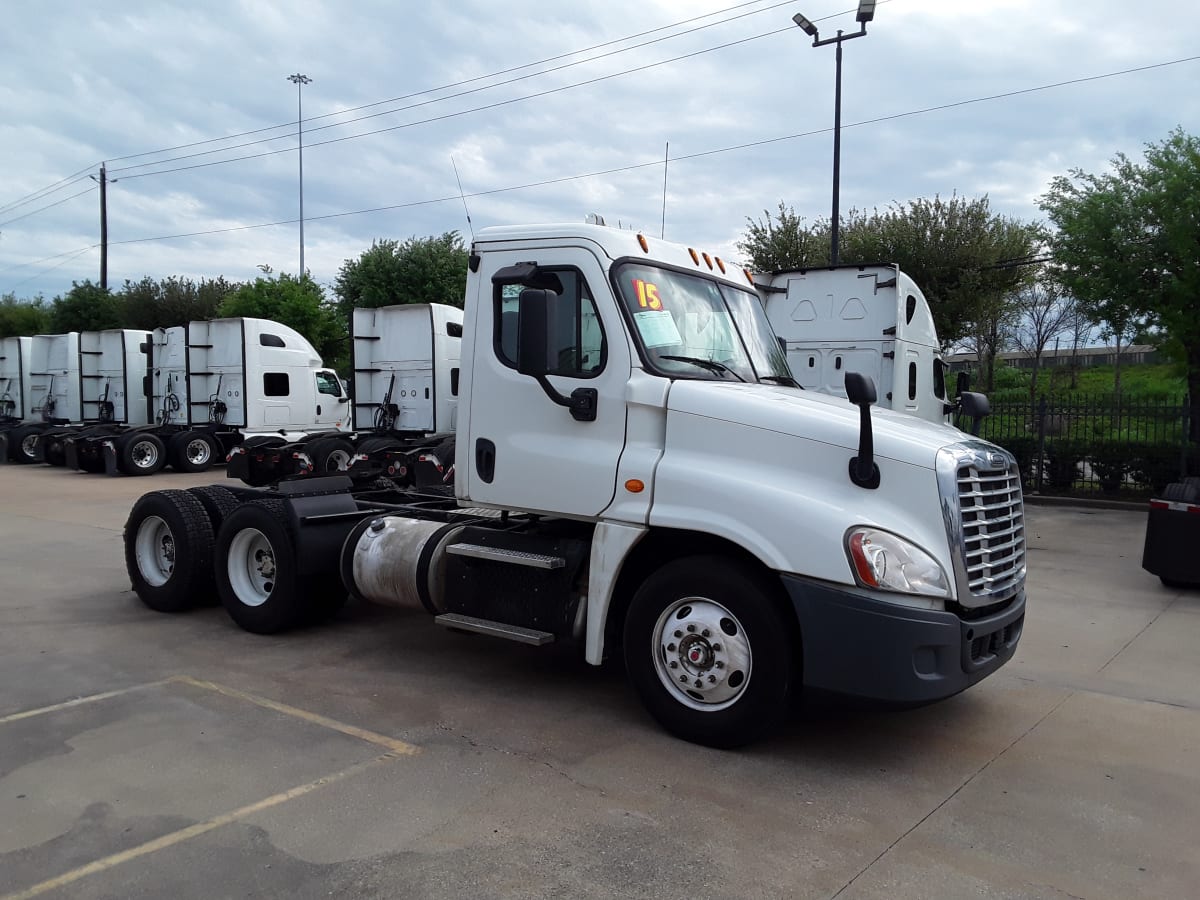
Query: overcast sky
550	109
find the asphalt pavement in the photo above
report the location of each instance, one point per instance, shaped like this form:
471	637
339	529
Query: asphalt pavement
150	755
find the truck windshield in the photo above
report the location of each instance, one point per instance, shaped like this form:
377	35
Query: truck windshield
694	327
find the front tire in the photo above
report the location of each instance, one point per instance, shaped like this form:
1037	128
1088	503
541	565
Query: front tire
710	652
168	550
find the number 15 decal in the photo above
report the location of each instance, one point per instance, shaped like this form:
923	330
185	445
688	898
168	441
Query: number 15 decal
647	294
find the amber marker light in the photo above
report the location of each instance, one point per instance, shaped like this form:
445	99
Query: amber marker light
645	244
695	258
749	277
720	265
708	260
635	485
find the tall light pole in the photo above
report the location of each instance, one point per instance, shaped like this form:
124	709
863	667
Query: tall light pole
300	80
866	12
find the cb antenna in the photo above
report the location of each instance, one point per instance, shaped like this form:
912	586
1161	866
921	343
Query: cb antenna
470	228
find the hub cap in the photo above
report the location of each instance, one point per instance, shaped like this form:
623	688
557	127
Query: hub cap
144	454
251	567
154	549
701	654
198	452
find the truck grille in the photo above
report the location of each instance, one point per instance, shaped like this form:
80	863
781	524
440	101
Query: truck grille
987	536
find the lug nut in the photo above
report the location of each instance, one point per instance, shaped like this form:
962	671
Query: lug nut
705	633
683	679
691	628
720	664
670	648
716	648
699	683
678	634
712	679
673	664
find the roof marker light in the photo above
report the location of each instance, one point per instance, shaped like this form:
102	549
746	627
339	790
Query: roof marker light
749	277
644	243
695	258
720	265
708	260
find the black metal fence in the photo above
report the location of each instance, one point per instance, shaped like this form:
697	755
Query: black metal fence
1099	445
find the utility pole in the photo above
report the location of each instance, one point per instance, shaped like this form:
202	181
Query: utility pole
103	182
300	80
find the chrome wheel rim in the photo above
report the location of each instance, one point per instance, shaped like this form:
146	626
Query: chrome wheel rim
144	454
701	654
198	452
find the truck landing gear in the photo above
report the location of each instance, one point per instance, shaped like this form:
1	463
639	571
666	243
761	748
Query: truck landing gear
708	651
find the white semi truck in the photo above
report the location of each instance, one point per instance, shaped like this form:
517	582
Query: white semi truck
14	381
871	319
638	474
213	386
404	390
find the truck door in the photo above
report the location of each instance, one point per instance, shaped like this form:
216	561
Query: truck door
332	406
523	451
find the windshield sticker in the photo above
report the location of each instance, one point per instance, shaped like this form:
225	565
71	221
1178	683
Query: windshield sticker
657	328
647	294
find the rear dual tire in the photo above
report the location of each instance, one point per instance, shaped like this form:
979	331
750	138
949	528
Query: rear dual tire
169	550
192	451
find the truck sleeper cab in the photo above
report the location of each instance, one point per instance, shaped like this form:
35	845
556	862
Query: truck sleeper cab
638	472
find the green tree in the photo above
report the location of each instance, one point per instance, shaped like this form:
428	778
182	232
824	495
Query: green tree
297	302
1128	242
86	307
957	250
23	317
172	301
418	270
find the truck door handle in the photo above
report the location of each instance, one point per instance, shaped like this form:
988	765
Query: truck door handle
485	459
318	409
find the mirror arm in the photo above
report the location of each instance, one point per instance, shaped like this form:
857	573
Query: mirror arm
581	403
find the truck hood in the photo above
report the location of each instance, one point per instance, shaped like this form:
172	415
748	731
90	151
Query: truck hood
813	416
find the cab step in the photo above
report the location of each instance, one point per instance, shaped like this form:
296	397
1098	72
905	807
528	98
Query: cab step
495	629
513	557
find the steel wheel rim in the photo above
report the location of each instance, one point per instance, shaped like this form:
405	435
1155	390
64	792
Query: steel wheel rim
701	654
29	446
198	452
154	551
251	567
144	454
337	461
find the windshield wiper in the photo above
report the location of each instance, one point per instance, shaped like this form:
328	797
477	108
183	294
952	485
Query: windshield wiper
711	364
782	379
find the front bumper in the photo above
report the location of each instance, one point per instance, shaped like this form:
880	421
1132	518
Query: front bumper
863	647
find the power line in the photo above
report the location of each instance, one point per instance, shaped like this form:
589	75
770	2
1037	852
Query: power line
83	172
461	94
452	115
649	164
41	193
48	206
71	254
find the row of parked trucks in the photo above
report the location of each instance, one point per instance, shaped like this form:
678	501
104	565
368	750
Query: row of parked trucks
256	392
639	474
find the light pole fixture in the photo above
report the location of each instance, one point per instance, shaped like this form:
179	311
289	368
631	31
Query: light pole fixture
301	80
866	12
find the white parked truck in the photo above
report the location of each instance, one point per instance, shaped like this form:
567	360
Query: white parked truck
404	389
14	381
638	474
871	319
214	386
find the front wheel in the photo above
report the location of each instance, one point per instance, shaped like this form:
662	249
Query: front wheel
710	652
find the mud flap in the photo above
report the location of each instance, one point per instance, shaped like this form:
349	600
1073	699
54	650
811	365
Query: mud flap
108	450
4	457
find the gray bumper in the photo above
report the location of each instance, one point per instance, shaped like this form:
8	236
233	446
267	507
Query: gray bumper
862	647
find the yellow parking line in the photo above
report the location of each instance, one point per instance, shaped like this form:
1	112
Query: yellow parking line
184	834
79	701
392	744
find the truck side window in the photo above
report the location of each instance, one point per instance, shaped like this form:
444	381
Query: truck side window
270	340
327	383
578	342
275	384
912	381
939	378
